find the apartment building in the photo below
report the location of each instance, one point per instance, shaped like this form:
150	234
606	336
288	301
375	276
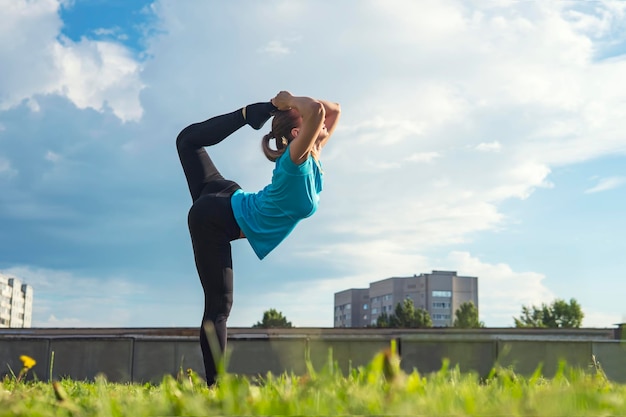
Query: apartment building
440	293
349	307
16	302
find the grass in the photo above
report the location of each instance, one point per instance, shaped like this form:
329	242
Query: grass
381	388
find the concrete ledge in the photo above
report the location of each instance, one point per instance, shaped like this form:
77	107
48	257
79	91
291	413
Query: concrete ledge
347	353
153	359
12	349
428	356
254	357
146	355
83	359
612	359
525	357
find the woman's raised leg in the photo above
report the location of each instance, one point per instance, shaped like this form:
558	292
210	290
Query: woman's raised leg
197	165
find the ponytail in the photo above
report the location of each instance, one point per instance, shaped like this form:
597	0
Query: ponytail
282	124
273	154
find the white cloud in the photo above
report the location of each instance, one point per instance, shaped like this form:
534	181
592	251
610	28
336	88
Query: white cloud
605	184
98	75
275	48
6	170
52	156
502	291
114	32
91	74
601	319
423	157
494	146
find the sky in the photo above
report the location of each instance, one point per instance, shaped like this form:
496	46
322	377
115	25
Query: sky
486	137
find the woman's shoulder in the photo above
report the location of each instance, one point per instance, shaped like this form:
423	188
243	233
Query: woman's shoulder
285	162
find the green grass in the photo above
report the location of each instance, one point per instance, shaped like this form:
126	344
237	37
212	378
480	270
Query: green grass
380	388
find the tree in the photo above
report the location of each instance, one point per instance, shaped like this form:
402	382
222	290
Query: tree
562	314
405	315
531	317
383	320
559	314
422	318
466	317
273	318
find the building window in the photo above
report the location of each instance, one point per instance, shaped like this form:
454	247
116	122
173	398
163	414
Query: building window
364	306
374	310
348	306
441	317
441	305
446	294
386	297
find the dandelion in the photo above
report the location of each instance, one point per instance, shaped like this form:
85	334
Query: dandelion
28	361
27	364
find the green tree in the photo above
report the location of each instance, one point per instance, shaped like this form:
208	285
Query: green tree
405	315
563	314
422	318
273	318
531	317
383	320
559	314
466	317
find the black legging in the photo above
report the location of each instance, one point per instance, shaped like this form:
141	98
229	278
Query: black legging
212	226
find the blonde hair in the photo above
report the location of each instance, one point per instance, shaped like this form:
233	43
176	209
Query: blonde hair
282	124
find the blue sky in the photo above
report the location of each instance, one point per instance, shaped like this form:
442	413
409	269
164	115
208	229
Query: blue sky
487	138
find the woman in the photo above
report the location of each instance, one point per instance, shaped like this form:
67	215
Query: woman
222	212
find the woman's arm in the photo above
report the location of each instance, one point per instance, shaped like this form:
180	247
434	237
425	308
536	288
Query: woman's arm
333	111
313	113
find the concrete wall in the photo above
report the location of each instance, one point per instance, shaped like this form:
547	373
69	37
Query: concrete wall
146	355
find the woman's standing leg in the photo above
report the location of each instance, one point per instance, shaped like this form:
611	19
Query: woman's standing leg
212	227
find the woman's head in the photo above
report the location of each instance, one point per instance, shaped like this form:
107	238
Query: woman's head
283	123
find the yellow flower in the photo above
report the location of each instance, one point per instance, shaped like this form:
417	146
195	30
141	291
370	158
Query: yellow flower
28	361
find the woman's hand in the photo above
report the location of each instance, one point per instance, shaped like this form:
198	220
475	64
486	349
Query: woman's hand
283	100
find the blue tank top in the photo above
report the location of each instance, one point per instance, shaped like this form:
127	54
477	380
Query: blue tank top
268	216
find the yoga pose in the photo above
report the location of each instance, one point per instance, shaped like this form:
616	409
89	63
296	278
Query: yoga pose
222	212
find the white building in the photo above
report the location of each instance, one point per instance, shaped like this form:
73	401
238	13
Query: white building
16	303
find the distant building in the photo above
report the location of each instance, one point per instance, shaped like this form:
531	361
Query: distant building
16	303
440	293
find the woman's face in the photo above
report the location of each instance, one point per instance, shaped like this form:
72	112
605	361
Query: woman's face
323	133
